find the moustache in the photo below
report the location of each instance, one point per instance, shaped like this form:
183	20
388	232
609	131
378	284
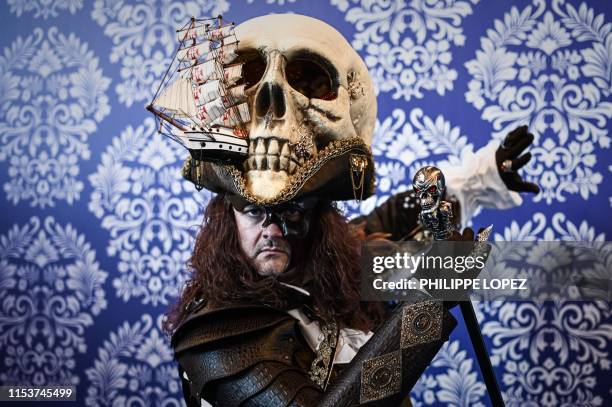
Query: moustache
276	244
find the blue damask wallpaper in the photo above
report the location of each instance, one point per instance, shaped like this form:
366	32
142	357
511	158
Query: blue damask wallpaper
97	224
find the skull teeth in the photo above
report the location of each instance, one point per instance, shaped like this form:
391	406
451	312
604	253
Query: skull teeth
261	147
272	161
259	161
427	201
283	163
269	153
273	147
285	150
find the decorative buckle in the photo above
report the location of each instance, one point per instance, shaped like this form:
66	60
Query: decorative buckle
421	323
381	377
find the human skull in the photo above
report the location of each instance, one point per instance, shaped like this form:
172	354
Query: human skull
305	86
429	185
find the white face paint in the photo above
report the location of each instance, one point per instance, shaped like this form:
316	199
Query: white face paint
306	86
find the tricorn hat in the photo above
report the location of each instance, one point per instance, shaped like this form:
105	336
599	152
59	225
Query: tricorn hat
311	110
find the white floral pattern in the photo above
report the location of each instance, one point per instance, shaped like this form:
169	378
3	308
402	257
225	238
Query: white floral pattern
52	96
51	288
277	2
407	45
150	212
451	380
65	133
550	352
44	8
135	367
144	38
563	94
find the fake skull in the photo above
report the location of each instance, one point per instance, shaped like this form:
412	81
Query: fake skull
429	185
306	87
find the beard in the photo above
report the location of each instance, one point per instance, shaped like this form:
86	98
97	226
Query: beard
272	263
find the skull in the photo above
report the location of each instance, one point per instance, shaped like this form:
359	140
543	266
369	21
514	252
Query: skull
306	88
429	185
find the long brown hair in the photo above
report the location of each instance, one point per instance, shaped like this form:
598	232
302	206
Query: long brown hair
221	273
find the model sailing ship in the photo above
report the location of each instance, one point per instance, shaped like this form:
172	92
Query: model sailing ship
200	102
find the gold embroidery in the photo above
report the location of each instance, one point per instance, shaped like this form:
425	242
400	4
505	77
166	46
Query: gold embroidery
381	377
421	323
304	173
321	367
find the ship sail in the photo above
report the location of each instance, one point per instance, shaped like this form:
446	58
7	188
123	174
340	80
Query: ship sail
215	108
203	31
232	74
177	99
218	34
232	117
237	93
202	53
208	71
192	32
228	53
193	52
200	73
207	92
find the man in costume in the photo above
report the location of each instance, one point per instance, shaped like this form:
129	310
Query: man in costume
272	314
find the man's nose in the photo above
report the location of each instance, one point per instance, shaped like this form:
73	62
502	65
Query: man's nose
271	230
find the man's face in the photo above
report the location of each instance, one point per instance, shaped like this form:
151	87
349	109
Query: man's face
271	236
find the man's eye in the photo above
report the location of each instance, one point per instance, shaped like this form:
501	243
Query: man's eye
432	189
253	212
292	214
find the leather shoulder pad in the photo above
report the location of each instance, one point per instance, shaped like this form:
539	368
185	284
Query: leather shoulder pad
228	357
207	325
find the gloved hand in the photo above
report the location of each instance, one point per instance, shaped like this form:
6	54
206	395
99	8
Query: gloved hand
466	236
509	160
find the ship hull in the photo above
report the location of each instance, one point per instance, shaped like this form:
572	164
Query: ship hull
217	145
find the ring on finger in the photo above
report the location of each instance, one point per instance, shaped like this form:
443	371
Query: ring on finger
506	166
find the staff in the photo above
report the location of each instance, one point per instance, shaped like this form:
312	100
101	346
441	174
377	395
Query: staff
437	216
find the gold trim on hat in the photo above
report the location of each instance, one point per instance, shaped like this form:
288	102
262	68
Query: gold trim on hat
296	181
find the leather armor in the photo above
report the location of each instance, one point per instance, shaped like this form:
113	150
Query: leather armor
239	353
251	355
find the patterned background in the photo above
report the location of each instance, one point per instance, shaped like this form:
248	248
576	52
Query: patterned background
97	224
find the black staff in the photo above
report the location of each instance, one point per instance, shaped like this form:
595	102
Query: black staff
436	215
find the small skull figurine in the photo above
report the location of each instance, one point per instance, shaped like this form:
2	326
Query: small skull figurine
429	185
436	214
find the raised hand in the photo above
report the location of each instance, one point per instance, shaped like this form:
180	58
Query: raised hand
509	160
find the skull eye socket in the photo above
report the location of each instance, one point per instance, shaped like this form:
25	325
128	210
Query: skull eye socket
253	69
310	79
432	189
